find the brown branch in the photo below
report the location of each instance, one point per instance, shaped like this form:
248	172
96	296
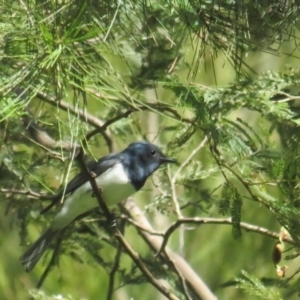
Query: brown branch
143	268
143	107
151	237
193	280
25	192
100	126
239	177
182	280
140	227
41	137
222	221
220	162
83	116
155	107
115	267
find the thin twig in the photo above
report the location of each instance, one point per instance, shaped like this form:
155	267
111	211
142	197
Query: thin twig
289	97
172	180
192	154
43	142
115	267
221	164
100	126
138	226
144	107
194	281
83	115
177	210
143	268
174	197
133	255
221	221
181	278
173	65
111	23
218	221
25	192
247	187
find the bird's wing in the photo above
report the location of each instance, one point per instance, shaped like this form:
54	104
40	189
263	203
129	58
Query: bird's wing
97	167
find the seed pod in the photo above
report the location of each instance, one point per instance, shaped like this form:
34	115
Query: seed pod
277	252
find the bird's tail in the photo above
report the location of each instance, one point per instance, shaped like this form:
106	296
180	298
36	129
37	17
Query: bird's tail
33	254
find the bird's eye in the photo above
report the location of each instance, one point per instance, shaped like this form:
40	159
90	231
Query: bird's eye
153	152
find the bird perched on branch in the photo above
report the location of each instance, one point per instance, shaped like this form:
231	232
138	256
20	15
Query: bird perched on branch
118	176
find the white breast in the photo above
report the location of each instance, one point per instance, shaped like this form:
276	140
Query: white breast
115	187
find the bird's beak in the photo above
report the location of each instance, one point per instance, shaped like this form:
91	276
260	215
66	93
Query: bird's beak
165	159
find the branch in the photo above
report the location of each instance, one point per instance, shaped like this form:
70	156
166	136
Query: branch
173	179
25	192
193	153
142	107
101	127
65	106
83	115
194	282
115	268
182	280
41	137
153	238
156	107
222	221
289	97
220	162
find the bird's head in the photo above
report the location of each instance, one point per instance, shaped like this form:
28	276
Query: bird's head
147	157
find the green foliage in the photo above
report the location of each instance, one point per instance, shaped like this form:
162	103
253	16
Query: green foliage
255	287
68	66
235	28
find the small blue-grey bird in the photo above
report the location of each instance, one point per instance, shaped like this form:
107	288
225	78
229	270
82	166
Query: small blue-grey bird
118	176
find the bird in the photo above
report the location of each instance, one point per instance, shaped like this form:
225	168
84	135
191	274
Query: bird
118	176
